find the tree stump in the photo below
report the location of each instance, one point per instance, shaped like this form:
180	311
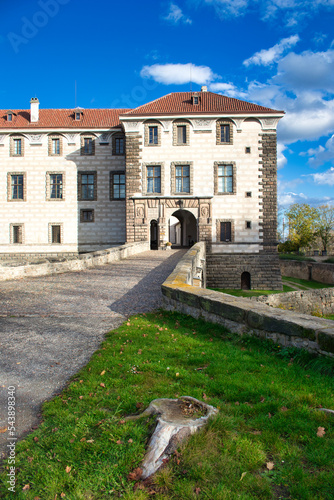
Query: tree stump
177	419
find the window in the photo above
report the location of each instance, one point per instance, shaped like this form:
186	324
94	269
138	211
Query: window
87	146
181	134
55	234
153	135
56	186
117	186
16	234
248	194
10	117
225	231
119	146
86	215
248	224
17	147
153	179
77	116
195	99
87	186
55	146
224	132
17	187
247	149
225	178
182	179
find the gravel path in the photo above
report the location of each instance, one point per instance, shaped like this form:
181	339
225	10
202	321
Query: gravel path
51	325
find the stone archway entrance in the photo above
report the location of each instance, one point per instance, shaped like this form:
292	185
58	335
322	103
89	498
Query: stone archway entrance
182	228
154	235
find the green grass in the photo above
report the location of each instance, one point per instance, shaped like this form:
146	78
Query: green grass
307	284
267	399
252	293
290	256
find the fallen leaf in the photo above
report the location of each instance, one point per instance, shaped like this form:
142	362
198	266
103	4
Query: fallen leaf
119	442
30	459
197	491
82	440
80	397
237	403
103	372
284	408
122	422
26	487
243	475
269	415
90	440
321	432
102	384
68	469
130	441
35	439
177	374
3	430
62	495
270	465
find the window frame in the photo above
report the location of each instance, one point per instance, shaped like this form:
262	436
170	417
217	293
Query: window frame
115	138
10	185
173	177
49	186
221	123
51	139
61	233
219	222
216	166
82	215
13	142
113	184
81	184
147	127
83	150
176	125
12	233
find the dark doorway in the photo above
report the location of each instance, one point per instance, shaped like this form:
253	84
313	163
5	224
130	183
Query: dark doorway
154	235
245	281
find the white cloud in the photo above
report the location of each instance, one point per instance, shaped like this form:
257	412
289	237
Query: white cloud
294	11
227	89
320	155
307	71
178	74
281	159
175	15
326	177
267	57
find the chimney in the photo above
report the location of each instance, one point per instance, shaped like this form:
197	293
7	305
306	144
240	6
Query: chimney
34	110
204	88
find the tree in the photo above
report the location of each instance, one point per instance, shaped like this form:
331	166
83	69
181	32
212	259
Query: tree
302	220
324	225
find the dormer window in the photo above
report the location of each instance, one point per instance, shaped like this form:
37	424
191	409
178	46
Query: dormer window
10	117
195	99
77	116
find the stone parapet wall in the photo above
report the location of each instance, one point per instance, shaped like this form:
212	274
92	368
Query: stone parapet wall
305	270
46	266
241	315
316	302
224	271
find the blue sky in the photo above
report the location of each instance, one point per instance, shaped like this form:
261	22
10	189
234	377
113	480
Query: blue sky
277	53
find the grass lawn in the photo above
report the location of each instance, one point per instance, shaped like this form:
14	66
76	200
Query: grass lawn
252	293
307	283
290	256
262	445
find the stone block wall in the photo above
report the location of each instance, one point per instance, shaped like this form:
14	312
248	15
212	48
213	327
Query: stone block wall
224	271
316	302
324	273
242	316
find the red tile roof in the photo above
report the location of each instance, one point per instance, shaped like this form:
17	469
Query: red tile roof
209	103
62	118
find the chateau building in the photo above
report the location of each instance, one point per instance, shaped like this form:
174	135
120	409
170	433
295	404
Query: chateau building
190	166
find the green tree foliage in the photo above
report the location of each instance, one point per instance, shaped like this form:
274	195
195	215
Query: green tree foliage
302	224
324	225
